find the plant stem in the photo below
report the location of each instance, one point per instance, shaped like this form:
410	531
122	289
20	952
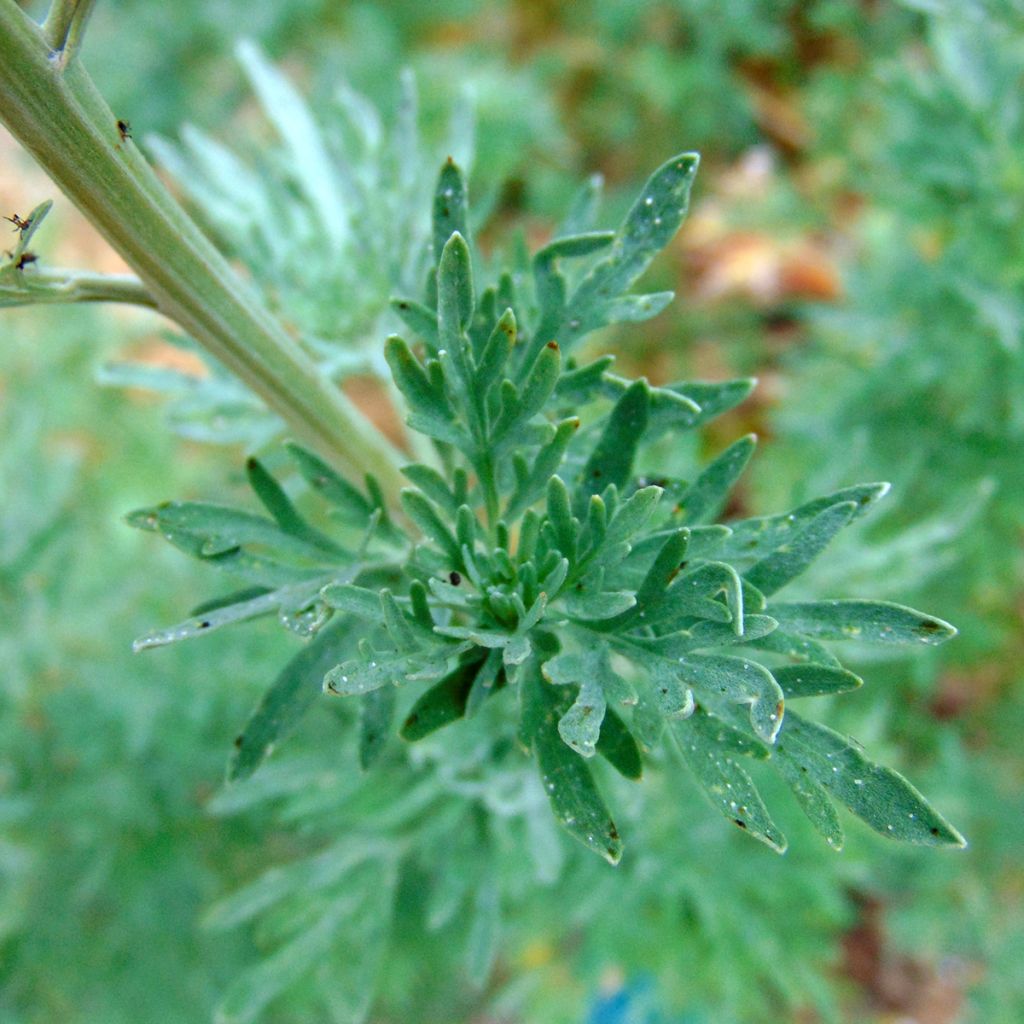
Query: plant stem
60	118
56	285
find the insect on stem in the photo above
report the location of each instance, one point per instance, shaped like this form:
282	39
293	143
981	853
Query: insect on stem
19	224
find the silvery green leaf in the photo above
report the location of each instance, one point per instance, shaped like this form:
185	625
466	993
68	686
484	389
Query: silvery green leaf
456	872
740	682
363	675
517	650
813	799
580	726
592	664
573	247
633	514
266	603
695	594
599	605
799	648
852	619
455	302
531	488
814	680
706	634
755	539
515	647
279	505
434	486
292	694
636	308
251	991
424	514
520	405
712	398
648	227
579	385
575	800
450	208
348	979
709	748
373	669
618	747
879	796
651	591
206	530
351	505
706	496
443	703
420	319
563	524
790	559
672	697
314	873
611	461
398	627
494	357
648	723
666	409
430	411
353	599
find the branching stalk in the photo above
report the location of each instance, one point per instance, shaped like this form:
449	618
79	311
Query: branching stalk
57	285
60	118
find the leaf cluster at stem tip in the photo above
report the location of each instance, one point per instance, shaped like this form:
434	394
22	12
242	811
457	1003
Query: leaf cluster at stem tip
531	570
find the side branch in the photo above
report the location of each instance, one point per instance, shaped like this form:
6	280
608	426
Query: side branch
61	119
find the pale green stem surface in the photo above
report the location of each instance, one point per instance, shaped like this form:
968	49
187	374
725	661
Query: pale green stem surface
56	285
60	118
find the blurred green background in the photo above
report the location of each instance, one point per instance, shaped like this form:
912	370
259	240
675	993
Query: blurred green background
856	241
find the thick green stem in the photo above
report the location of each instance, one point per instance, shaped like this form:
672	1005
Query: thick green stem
61	119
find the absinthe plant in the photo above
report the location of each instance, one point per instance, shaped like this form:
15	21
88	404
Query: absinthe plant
532	585
542	589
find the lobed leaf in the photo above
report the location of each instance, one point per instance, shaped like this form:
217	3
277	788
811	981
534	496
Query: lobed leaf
647	228
879	796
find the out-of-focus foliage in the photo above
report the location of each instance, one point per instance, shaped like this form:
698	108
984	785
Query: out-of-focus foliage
882	180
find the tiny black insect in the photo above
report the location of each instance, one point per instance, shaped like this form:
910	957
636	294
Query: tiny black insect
19	224
25	259
124	129
454	578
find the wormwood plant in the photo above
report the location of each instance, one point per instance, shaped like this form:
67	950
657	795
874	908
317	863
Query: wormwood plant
531	564
550	591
